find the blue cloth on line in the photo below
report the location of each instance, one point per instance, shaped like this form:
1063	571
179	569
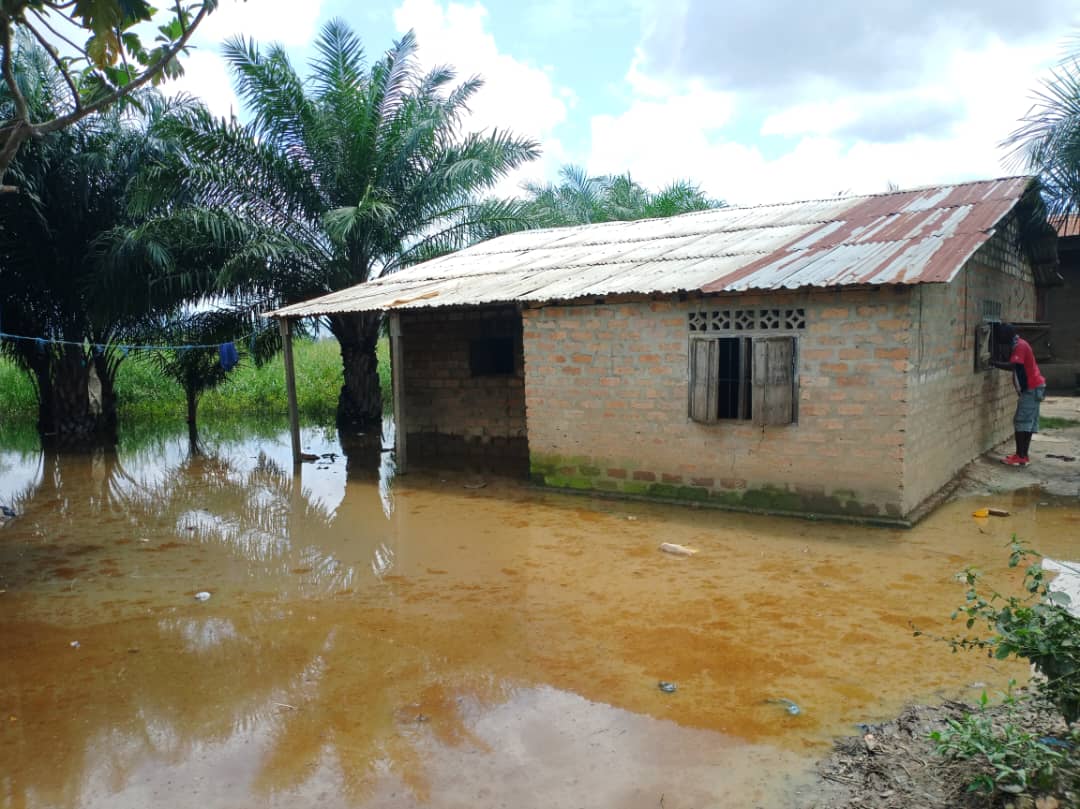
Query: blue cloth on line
229	356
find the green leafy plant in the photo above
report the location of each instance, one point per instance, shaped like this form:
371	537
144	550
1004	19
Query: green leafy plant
1035	626
101	50
1016	759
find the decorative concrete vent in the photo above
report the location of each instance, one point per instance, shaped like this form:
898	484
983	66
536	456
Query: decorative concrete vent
723	320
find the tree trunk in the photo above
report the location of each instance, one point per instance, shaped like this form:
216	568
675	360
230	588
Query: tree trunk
360	402
67	413
192	420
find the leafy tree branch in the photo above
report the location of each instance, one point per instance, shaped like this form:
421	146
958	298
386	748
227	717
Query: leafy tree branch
106	69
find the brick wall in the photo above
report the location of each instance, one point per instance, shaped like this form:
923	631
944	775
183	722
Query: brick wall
957	413
445	405
606	394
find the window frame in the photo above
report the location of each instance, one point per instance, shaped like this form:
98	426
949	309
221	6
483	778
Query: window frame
755	329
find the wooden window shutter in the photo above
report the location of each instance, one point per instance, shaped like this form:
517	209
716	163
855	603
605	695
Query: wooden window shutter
774	380
704	402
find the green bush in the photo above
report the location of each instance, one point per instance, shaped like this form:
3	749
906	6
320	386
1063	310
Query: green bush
1035	626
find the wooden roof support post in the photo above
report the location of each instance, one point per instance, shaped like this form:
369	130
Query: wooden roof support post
397	371
285	325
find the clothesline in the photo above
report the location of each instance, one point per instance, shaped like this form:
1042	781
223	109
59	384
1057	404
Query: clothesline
42	342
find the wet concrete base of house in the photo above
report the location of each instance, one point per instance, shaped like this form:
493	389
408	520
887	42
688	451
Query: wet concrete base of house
451	638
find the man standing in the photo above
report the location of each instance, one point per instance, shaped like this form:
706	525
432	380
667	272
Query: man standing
1030	388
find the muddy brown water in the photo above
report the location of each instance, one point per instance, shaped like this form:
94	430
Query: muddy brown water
425	641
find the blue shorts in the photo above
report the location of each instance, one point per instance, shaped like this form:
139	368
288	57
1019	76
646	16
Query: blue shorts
1026	419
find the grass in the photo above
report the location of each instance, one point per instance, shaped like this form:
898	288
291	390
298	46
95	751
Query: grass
143	393
1057	423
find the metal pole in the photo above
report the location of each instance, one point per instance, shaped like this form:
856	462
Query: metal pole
397	379
285	325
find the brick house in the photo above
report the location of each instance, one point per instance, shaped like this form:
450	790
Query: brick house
825	357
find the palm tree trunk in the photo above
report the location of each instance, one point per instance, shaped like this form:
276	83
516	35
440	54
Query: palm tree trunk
66	413
360	402
192	409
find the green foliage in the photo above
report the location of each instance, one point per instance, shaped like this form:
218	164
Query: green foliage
579	199
357	170
1048	138
72	193
145	396
1035	626
17	394
100	52
1016	761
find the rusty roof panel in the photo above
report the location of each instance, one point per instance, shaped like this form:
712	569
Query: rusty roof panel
908	237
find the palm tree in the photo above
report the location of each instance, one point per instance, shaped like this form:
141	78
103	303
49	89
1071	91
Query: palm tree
1048	139
198	362
579	199
72	188
355	172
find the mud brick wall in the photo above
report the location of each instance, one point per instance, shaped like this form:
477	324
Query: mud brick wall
956	412
442	397
606	394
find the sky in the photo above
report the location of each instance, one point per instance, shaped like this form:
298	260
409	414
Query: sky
755	101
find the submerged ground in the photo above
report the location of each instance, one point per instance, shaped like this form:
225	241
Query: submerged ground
450	638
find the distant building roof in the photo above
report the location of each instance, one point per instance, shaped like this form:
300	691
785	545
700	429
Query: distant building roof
904	237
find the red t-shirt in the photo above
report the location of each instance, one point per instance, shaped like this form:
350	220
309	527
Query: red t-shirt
1022	355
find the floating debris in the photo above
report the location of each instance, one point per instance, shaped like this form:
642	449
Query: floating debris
677	550
8	512
666	687
308	457
202	596
479	485
74	644
788	704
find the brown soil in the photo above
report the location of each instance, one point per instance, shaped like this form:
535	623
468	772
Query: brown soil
894	765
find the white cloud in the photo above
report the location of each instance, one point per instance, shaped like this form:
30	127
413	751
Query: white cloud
206	77
942	131
205	72
516	95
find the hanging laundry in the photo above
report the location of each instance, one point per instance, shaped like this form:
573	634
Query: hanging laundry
229	356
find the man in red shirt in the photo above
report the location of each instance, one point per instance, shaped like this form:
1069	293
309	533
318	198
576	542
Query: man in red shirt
1030	389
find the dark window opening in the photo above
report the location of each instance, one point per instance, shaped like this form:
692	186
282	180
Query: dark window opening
491	356
734	378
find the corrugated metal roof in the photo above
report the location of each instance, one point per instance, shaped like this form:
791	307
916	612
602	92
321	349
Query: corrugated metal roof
1066	226
907	237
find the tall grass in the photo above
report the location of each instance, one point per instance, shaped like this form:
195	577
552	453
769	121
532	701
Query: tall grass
143	393
17	395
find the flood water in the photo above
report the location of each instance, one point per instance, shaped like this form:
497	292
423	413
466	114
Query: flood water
450	637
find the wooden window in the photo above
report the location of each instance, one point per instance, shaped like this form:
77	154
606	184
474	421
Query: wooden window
743	378
491	356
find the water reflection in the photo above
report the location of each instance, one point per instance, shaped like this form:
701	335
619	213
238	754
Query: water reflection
372	641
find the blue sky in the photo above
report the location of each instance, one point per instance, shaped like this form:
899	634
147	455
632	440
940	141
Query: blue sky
756	101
